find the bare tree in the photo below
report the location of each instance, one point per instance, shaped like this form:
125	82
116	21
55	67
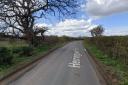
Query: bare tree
97	31
21	14
40	31
39	34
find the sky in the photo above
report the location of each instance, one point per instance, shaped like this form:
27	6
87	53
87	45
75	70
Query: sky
111	14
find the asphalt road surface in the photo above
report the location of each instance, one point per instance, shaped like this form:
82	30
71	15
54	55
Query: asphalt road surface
68	65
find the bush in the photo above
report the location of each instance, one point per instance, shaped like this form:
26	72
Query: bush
5	56
24	51
17	50
27	51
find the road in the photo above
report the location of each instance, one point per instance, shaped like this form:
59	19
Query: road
68	65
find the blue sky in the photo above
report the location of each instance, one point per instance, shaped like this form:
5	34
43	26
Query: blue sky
117	24
111	14
112	21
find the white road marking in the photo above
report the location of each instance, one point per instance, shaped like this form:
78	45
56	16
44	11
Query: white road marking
76	60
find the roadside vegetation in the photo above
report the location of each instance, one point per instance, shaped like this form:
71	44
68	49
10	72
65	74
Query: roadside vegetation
12	57
18	53
113	53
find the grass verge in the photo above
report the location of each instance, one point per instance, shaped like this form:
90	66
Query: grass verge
112	65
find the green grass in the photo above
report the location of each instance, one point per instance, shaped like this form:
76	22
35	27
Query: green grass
120	69
19	60
13	43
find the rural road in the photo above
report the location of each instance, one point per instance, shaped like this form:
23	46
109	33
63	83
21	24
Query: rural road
68	65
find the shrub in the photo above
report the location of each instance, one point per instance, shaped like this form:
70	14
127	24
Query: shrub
27	51
17	50
5	56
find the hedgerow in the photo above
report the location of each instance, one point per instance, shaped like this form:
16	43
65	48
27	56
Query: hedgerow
115	47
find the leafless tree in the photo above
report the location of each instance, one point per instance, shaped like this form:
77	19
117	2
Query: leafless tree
40	31
97	31
21	14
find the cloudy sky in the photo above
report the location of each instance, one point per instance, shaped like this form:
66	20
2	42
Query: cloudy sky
111	14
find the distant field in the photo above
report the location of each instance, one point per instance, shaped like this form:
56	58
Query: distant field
11	43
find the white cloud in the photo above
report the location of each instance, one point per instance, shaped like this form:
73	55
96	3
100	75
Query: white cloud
77	28
100	8
43	24
71	27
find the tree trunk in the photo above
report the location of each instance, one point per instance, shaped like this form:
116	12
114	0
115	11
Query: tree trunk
29	36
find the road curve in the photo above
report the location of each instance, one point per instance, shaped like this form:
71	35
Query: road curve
68	65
